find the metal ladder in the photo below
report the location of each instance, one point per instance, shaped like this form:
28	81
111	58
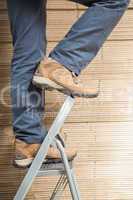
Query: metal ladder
64	169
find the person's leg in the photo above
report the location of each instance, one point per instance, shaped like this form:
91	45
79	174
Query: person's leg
86	36
27	20
79	46
28	30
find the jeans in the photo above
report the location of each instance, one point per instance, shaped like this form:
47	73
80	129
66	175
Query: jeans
79	46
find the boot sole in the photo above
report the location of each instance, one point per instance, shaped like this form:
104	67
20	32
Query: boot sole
51	85
25	163
46	83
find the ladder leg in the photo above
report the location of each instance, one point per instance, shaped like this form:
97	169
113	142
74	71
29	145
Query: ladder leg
69	173
53	131
75	183
59	188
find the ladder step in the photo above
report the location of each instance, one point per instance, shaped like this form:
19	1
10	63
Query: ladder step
53	169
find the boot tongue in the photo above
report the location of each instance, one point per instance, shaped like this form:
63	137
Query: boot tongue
33	148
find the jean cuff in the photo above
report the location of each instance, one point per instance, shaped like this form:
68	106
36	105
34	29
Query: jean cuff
64	63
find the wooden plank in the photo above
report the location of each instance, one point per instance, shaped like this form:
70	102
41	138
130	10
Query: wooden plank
121	51
123	31
94	71
61	4
100	112
116	179
113	104
6	49
59	22
116	91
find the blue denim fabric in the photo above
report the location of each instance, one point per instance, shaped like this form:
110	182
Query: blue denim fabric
29	42
74	51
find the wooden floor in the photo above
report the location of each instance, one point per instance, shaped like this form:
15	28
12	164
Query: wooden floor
101	128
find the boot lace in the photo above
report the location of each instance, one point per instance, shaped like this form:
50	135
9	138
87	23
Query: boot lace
76	79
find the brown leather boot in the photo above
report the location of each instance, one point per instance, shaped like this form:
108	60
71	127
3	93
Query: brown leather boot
25	153
53	75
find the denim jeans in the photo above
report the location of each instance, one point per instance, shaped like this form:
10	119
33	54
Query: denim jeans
79	46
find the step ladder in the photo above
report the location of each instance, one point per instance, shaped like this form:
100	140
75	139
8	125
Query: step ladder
64	169
41	168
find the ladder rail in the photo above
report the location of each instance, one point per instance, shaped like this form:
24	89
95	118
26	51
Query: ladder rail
75	182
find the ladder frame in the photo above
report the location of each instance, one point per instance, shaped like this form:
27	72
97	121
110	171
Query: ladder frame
39	159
